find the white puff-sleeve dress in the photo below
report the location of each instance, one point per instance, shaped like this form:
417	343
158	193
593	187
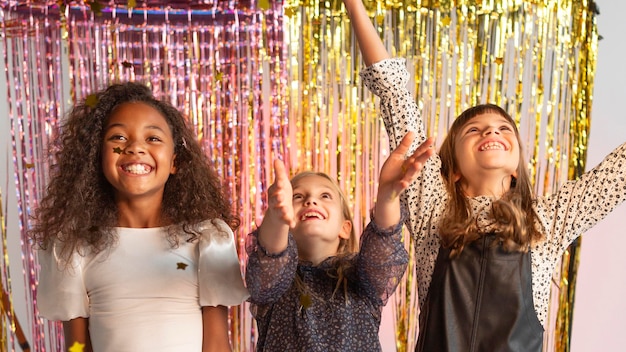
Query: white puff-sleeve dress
142	294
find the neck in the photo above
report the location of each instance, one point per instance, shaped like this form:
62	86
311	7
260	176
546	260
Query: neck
139	214
486	185
316	251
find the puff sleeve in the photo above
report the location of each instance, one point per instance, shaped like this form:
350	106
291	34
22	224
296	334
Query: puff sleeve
61	293
219	272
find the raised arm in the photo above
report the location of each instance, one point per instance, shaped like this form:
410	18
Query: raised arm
278	218
272	253
396	175
372	48
388	79
383	258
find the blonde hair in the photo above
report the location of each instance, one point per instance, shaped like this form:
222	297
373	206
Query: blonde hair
513	214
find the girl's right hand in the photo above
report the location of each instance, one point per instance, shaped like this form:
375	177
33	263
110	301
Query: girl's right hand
280	196
398	171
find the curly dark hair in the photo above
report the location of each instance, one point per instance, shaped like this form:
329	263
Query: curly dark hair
78	209
513	214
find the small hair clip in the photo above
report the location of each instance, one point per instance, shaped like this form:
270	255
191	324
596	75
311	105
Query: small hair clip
184	143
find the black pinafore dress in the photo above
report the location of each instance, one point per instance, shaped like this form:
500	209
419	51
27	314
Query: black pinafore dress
480	301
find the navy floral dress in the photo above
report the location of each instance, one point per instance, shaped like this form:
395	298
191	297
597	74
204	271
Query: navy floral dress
324	316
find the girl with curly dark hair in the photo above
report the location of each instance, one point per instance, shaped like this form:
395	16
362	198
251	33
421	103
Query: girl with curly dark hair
135	233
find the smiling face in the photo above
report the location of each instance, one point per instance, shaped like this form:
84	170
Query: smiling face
481	153
137	152
319	208
487	143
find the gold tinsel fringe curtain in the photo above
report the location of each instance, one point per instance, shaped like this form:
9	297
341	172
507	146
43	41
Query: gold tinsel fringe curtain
536	59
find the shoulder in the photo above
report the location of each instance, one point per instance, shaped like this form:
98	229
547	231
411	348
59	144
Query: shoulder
214	228
215	225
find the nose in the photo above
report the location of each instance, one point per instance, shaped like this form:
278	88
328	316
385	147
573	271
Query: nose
490	130
134	147
310	201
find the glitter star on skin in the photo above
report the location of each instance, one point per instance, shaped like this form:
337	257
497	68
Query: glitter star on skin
77	347
118	150
181	266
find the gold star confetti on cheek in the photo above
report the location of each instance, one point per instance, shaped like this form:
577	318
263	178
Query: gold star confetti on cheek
118	150
77	347
181	266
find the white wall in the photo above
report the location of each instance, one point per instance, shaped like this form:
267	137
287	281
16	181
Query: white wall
600	307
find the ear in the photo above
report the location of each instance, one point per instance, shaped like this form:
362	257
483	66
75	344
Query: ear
346	228
173	167
456	177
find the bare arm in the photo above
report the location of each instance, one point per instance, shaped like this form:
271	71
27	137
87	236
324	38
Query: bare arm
396	175
215	329
278	217
372	48
77	332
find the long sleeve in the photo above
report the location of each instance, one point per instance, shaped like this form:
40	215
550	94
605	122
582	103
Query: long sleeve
579	204
382	261
388	80
269	276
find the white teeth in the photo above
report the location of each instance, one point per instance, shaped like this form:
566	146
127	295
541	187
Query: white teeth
492	146
311	214
137	169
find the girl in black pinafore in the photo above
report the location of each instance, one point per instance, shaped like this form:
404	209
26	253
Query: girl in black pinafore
486	246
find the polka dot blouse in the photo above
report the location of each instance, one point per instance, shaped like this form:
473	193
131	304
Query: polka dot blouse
563	216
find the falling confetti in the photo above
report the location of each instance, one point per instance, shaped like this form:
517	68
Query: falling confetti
305	301
91	100
181	266
118	150
77	347
263	4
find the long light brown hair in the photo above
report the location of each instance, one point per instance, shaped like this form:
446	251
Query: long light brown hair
513	214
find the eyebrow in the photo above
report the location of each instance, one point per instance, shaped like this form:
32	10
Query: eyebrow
149	127
501	120
327	188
